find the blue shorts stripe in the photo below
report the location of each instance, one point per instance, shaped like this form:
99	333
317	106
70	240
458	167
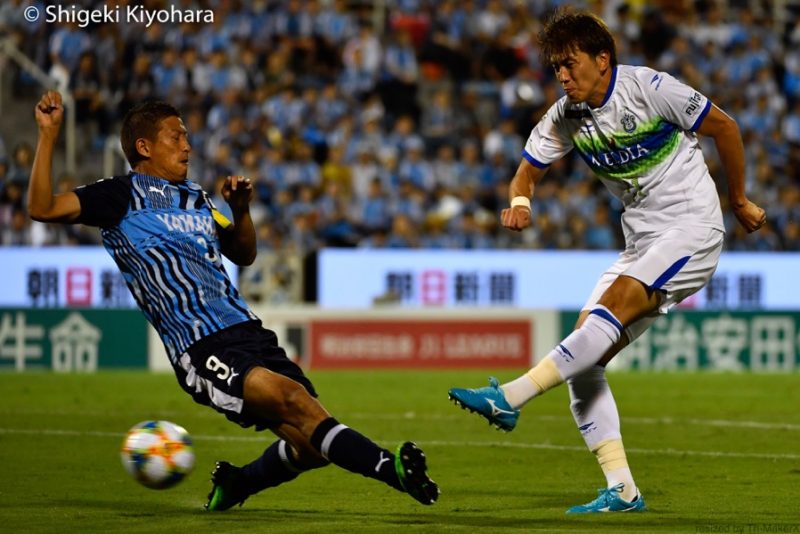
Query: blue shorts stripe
669	273
605	314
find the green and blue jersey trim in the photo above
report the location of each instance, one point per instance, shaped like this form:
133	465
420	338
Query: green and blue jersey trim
623	156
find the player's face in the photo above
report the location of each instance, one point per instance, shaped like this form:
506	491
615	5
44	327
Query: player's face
583	77
169	155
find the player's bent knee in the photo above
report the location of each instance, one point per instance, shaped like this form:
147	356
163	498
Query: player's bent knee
629	299
278	398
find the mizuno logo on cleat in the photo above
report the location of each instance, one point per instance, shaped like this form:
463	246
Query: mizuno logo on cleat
496	410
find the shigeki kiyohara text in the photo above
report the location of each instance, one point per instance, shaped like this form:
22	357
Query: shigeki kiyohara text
135	14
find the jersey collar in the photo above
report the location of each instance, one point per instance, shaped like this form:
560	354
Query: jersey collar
154	177
611	86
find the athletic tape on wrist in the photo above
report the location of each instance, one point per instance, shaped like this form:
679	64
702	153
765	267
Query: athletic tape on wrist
521	201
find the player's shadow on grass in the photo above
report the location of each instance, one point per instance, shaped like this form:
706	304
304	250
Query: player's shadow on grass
646	522
126	507
549	513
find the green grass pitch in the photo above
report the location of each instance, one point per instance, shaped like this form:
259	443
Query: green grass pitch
711	453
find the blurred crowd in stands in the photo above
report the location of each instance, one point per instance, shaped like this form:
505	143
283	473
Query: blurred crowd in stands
400	123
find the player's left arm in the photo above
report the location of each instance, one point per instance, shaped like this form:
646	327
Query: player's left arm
723	129
238	240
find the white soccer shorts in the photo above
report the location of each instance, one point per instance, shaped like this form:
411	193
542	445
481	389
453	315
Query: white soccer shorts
678	263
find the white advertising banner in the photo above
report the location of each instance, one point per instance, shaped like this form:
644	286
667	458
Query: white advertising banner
63	277
360	278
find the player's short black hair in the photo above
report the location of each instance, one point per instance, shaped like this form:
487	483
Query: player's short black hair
568	31
143	121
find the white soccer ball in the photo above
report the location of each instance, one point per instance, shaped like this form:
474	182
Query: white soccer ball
158	454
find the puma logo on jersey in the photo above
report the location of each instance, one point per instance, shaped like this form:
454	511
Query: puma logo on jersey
154	189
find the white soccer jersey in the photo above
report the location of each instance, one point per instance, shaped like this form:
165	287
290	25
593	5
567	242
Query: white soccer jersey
641	143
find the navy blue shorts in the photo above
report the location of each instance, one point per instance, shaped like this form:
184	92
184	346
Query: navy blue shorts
212	370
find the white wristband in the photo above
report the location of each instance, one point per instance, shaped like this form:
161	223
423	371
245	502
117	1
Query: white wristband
521	201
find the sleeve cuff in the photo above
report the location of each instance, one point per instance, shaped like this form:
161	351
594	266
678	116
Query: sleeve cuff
702	116
533	161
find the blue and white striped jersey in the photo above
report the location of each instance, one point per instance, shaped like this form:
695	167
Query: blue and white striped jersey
163	237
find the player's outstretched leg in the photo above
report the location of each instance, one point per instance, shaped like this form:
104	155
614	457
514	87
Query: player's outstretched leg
355	452
232	485
489	402
609	500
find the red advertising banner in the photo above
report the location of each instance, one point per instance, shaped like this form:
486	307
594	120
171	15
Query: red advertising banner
397	343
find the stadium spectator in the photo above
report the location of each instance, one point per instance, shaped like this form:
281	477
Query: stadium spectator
169	76
400	79
18	231
67	44
413	165
138	83
374	209
404	233
439	121
21	162
12	198
90	98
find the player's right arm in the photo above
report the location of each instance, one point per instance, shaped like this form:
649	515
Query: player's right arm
42	204
546	143
522	185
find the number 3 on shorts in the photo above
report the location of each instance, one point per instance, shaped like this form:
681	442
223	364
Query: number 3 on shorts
213	364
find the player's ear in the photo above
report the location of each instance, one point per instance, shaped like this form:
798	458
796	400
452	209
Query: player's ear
143	147
603	60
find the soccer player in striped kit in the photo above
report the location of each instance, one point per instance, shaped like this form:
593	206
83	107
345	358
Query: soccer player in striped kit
166	237
636	129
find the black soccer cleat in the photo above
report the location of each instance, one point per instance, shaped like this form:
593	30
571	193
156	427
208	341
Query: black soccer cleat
409	463
226	492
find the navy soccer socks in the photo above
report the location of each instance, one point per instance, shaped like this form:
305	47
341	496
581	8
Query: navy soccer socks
350	450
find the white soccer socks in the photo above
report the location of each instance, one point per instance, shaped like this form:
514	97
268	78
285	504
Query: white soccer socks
596	415
593	407
579	351
520	390
611	457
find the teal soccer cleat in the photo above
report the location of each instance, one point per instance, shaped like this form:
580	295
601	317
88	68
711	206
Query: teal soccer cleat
608	500
489	402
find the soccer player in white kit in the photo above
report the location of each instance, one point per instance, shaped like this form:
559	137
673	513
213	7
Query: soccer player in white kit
635	128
